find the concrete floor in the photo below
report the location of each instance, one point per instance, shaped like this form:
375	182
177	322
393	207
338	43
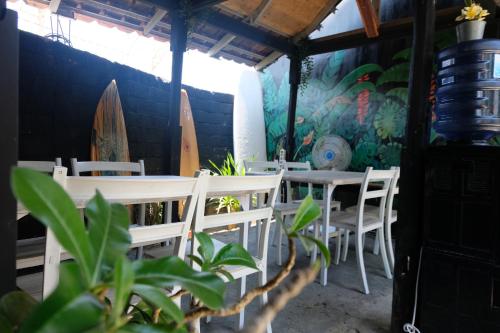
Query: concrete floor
340	307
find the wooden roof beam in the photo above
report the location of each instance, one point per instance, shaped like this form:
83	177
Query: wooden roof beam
252	19
268	60
400	28
369	17
54	6
203	4
159	14
245	30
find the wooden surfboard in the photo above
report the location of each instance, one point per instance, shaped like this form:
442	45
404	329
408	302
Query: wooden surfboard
190	161
109	135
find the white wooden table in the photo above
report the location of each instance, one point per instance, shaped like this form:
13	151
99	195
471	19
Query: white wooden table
81	190
329	180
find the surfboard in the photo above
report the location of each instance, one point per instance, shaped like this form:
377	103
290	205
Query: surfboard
249	131
190	161
109	136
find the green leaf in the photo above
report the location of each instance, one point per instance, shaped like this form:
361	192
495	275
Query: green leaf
146	328
108	232
51	205
228	275
15	307
68	309
401	93
308	211
352	78
404	54
397	73
196	259
172	271
123	281
322	248
158	299
234	254
5	325
206	248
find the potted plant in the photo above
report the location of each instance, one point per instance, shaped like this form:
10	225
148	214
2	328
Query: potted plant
473	24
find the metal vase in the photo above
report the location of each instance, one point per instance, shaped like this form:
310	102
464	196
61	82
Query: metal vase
470	30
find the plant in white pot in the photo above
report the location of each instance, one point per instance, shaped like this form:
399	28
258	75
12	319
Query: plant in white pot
473	23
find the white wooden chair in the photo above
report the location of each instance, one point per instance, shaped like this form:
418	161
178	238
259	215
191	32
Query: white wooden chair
391	216
241	186
362	222
30	251
288	209
261	167
128	190
125	168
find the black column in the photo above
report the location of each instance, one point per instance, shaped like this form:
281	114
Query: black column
9	69
178	47
410	213
294	79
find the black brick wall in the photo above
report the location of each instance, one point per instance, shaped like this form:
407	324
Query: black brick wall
59	88
59	91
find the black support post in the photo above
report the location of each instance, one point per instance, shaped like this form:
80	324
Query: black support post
294	79
178	47
410	213
9	69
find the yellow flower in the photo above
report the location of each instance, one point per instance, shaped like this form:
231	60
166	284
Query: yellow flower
472	13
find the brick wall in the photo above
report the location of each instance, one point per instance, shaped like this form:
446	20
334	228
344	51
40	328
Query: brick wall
59	88
59	91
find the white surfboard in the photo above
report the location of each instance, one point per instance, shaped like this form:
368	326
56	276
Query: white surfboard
249	131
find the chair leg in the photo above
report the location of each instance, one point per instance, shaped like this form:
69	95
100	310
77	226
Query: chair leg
383	253
314	254
346	244
263	297
243	286
388	240
258	227
279	257
376	245
361	261
339	246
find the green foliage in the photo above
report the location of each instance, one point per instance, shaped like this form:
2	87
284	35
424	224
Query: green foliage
397	73
390	120
229	255
80	302
229	167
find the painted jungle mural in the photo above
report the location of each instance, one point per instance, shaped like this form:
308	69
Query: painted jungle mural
365	102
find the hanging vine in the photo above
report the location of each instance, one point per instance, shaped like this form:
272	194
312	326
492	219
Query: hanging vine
307	66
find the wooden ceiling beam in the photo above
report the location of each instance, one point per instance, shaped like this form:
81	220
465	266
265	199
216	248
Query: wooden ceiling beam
203	4
252	19
268	60
236	27
245	30
159	14
54	6
400	28
369	17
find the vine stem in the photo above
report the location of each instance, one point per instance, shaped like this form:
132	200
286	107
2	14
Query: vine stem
250	295
293	288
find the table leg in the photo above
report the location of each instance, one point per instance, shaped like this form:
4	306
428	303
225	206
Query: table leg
327	199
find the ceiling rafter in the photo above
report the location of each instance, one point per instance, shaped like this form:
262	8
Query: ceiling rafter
157	17
369	16
54	6
252	19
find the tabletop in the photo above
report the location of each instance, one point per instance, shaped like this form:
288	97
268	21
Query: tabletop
325	177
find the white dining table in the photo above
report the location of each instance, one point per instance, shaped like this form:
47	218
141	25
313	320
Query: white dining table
81	195
329	180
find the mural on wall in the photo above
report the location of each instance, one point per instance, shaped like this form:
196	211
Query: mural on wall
366	105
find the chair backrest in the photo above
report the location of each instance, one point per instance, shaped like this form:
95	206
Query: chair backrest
240	187
261	166
42	166
383	179
297	166
129	190
393	190
114	167
101	166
